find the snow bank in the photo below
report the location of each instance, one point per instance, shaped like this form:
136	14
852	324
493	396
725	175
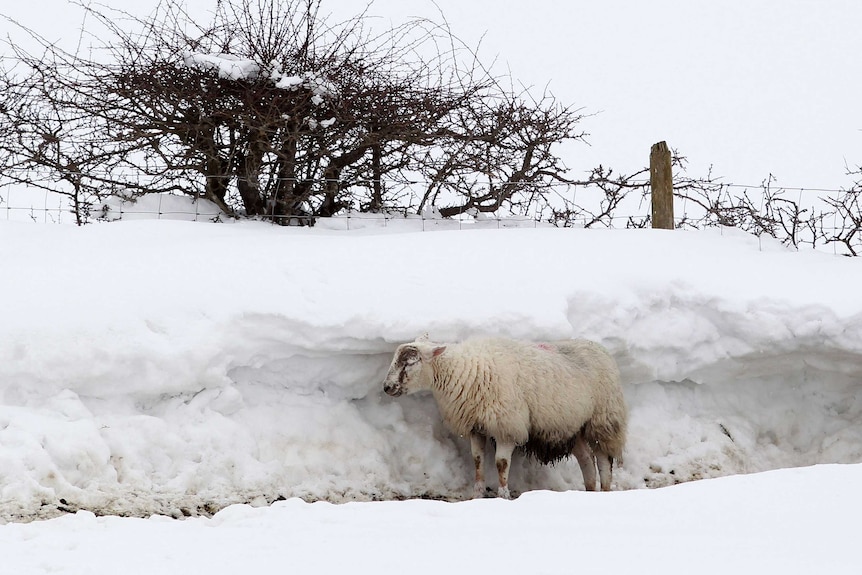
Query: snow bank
160	207
788	522
176	368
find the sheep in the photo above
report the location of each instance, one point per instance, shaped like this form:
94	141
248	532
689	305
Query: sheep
552	399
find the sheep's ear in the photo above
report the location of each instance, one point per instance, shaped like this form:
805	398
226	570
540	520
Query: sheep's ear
429	352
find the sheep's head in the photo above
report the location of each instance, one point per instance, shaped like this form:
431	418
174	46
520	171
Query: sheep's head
411	368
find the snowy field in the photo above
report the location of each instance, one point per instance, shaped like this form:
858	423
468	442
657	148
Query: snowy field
174	369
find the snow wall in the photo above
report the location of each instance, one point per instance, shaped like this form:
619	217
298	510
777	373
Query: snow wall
176	368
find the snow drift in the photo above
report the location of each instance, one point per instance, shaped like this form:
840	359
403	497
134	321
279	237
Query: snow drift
176	368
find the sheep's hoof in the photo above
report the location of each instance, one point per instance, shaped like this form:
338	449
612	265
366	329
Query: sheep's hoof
480	491
503	493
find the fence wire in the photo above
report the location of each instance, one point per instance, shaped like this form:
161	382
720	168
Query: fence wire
19	203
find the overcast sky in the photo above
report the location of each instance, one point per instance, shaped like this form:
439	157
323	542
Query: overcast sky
752	87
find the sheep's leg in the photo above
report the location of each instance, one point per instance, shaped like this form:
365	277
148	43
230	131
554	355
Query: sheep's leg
606	470
504	461
587	462
477	448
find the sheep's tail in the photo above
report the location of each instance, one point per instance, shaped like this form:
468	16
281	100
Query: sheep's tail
608	436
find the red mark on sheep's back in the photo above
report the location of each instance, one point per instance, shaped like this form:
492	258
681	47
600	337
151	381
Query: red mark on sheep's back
545	346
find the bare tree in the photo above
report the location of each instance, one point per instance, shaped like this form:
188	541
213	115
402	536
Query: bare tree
791	217
847	216
271	110
609	191
45	145
500	154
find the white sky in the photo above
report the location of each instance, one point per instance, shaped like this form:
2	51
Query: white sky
770	86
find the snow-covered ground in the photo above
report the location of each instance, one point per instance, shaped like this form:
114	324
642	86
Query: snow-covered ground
177	368
785	522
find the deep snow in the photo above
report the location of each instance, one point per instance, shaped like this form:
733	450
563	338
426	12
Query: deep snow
176	368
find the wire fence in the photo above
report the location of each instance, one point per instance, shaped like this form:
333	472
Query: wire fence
46	207
22	203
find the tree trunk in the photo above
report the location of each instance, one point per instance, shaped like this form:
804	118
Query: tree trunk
248	175
376	175
287	192
217	177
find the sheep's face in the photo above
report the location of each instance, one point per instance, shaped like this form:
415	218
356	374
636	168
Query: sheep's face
411	368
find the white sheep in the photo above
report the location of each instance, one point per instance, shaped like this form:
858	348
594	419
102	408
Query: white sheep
553	399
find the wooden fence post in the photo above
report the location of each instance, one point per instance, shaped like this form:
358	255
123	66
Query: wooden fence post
661	186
